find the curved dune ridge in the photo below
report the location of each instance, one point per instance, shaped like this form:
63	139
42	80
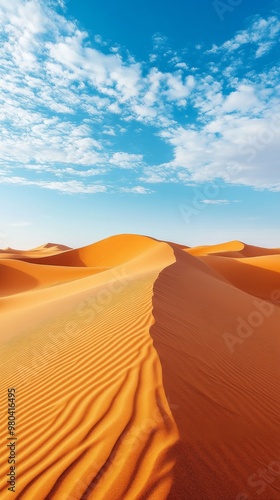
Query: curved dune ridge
143	370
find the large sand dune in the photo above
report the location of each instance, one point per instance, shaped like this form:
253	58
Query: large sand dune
143	370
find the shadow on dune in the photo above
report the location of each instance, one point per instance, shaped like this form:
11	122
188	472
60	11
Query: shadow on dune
173	295
250	278
68	258
210	401
14	281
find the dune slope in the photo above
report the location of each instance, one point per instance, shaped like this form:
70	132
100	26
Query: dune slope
223	387
93	419
257	276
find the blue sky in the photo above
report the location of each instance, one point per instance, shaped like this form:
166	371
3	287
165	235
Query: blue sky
153	118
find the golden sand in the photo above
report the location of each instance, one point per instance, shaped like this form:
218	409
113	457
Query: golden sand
143	370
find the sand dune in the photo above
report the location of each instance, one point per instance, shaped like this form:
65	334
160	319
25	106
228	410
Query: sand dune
109	252
44	250
143	370
258	276
232	249
18	276
52	246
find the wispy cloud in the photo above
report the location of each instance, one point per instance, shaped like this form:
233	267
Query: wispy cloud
220	202
69	187
126	160
262	35
216	202
136	190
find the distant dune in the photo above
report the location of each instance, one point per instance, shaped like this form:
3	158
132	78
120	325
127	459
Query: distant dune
143	370
52	247
47	249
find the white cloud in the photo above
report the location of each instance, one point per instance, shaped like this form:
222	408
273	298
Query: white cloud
50	74
178	88
243	99
153	57
70	187
109	131
73	187
182	65
160	42
238	149
60	97
158	175
136	190
99	40
64	172
126	160
114	108
107	73
218	202
262	33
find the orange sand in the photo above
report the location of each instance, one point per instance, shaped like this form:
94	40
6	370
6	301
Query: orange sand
143	370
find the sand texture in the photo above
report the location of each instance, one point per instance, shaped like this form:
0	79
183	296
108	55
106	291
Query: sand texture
143	370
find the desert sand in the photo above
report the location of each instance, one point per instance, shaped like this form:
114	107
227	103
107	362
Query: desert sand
143	369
